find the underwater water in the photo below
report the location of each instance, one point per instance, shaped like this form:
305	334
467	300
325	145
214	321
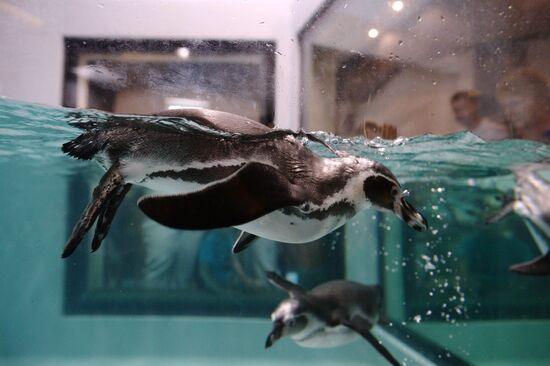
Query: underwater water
152	295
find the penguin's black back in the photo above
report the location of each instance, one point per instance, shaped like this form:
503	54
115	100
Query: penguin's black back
94	140
221	121
341	293
185	135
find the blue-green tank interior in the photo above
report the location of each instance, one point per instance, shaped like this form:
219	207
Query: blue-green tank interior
448	293
349	70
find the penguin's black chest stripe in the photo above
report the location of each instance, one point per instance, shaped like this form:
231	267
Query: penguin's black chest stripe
195	175
338	209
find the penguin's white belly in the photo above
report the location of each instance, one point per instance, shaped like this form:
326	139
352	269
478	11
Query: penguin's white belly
326	337
291	229
171	186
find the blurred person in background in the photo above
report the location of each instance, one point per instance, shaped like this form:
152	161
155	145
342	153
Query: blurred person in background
170	257
466	109
525	100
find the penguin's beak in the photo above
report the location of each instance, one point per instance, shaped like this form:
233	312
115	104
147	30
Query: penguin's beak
412	217
275	334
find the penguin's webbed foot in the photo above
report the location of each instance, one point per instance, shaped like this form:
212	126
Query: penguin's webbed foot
243	241
106	199
107	215
363	327
540	266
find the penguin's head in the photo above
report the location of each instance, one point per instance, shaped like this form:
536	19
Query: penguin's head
384	192
288	319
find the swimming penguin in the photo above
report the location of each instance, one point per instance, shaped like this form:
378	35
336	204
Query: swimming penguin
213	169
332	314
532	202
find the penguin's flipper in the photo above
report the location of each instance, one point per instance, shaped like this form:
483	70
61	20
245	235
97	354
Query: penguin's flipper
504	211
108	186
251	192
243	241
107	215
362	326
540	266
285	285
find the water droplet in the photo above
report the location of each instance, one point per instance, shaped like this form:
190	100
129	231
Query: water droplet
100	5
442	18
434	82
401	42
419	18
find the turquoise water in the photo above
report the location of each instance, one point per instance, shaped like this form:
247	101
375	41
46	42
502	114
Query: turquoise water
154	295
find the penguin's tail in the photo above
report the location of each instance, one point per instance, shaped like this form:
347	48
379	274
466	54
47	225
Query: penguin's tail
90	142
84	146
